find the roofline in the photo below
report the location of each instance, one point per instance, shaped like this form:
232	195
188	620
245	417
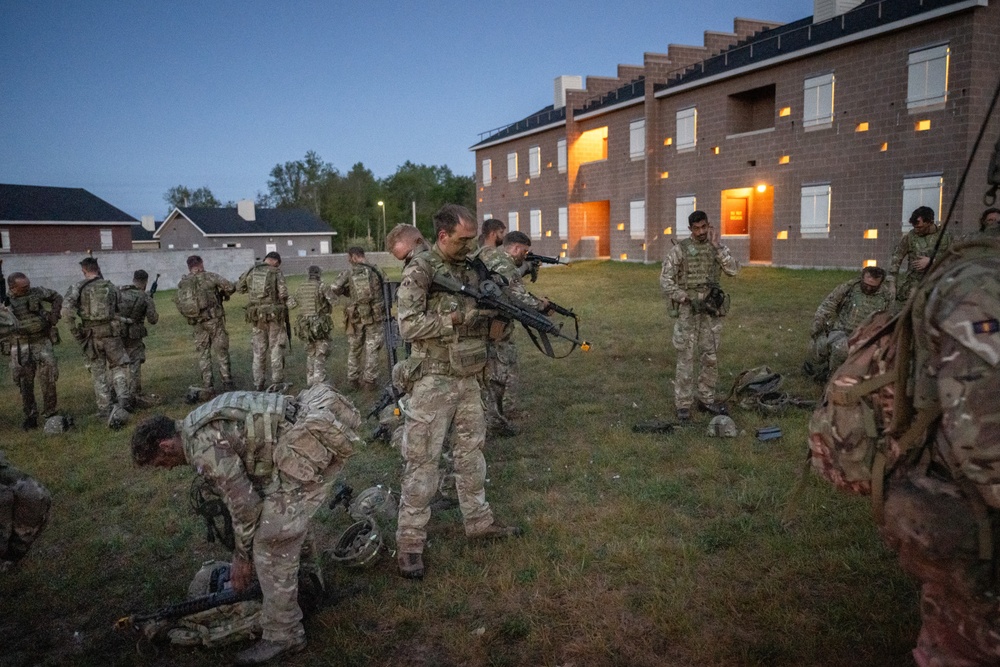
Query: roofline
156	234
521	135
614	107
825	46
70	222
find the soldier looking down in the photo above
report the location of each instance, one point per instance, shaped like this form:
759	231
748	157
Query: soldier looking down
30	342
199	298
138	307
313	325
363	318
915	248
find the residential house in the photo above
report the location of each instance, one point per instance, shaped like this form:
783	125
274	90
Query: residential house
142	234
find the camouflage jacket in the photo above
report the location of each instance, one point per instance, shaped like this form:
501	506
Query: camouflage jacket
35	321
74	302
847	306
500	263
138	307
910	247
216	288
367	303
672	280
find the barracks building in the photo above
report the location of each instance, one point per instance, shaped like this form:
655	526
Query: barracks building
808	143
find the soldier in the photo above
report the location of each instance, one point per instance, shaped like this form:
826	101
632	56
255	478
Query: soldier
199	298
363	317
31	345
273	459
24	511
313	324
96	302
502	376
491	237
267	314
915	247
138	307
448	336
839	315
404	242
690	279
989	222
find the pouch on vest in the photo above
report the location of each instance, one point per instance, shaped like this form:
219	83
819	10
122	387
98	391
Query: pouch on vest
467	356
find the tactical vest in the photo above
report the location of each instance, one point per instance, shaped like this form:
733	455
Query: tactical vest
361	284
30	313
260	413
262	284
133	306
310	299
98	301
698	265
860	307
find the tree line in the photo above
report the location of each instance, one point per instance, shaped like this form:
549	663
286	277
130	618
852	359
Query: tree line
349	202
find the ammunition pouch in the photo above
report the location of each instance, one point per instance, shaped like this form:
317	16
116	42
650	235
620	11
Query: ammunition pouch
467	356
406	373
312	328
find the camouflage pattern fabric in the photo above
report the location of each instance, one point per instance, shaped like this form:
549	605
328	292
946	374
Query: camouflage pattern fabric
839	314
909	248
696	334
313	326
269	342
24	511
212	340
139	307
317	354
28	359
363	318
363	352
266	313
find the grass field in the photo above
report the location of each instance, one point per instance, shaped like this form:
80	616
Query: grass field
639	550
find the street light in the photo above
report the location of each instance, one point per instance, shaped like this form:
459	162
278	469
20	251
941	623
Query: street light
381	205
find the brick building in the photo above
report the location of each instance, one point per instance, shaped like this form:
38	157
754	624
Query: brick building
808	144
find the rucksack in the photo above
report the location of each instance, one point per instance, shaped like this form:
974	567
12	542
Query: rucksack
191	299
98	300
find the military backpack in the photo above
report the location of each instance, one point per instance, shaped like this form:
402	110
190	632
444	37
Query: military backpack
194	296
98	300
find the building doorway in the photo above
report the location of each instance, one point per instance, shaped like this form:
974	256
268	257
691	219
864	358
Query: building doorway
749	212
595	230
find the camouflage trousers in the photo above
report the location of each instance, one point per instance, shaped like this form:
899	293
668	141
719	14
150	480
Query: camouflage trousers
212	339
28	359
317	353
362	352
136	350
437	403
696	334
502	379
24	511
278	551
269	342
109	371
827	351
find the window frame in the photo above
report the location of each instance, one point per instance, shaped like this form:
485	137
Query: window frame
687	121
818	99
919	63
513	221
684	206
534	161
921	184
535	223
511	167
812	194
107	239
487	171
563	214
637	139
637	219
561	156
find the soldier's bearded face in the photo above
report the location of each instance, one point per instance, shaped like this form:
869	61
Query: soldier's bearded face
870	285
457	245
699	231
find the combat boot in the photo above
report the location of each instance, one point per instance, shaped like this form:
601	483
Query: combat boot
411	566
683	415
30	422
496	531
266	650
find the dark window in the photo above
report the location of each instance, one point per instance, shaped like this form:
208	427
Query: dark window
751	110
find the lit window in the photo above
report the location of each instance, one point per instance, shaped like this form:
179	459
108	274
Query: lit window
593	145
561	156
871	262
487	171
534	161
862	127
512	221
922	125
511	167
563	222
927	81
668	230
871	233
817	106
884	147
669	141
684	206
565	246
665	174
687	128
548	233
715	150
783	235
815	218
621	226
637	139
784	159
623	257
535	224
920	191
107	240
785	111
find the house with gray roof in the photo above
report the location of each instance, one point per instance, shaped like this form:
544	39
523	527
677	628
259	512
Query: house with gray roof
41	219
292	232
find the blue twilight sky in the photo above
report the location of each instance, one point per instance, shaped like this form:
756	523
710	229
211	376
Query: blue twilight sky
129	98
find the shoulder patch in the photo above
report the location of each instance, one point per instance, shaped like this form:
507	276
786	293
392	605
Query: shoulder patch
990	326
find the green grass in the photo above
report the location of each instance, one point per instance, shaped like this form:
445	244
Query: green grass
639	549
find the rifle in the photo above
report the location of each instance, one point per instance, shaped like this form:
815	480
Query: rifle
532	262
154	622
390	331
155	285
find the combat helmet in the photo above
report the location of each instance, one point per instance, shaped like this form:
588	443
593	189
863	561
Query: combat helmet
773	402
722	426
374	501
359	545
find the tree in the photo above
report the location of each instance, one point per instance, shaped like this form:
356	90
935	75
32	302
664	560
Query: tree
182	196
299	183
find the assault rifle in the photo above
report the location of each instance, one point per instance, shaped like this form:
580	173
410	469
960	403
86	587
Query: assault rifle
155	285
532	262
153	623
390	330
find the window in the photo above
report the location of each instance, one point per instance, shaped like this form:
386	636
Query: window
637	139
563	222
561	156
592	145
512	225
107	240
536	224
751	110
195	246
637	219
815	220
270	247
921	191
324	247
687	128
5	240
817	107
685	207
927	83
487	171
534	161
511	167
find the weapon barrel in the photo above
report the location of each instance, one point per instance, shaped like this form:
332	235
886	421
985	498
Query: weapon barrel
532	257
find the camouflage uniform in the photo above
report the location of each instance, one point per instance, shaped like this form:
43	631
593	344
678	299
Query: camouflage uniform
209	326
138	307
691	269
931	507
313	326
31	348
910	247
96	302
838	315
363	318
445	394
24	511
266	312
273	459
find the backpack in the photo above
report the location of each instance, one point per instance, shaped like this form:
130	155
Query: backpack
191	298
8	322
98	300
361	285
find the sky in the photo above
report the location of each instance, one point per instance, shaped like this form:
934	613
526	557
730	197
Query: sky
127	99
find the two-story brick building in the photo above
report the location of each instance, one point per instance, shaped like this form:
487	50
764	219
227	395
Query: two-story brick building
808	143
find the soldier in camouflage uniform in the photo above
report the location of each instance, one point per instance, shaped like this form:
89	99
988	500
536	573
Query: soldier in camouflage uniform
199	298
95	301
273	459
690	275
502	374
267	313
138	307
31	345
313	325
24	511
448	336
404	242
915	247
840	313
491	237
363	318
989	223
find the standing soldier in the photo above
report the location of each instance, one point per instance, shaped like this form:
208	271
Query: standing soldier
491	237
363	317
31	345
313	325
404	242
915	247
199	298
267	314
690	279
95	301
138	307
